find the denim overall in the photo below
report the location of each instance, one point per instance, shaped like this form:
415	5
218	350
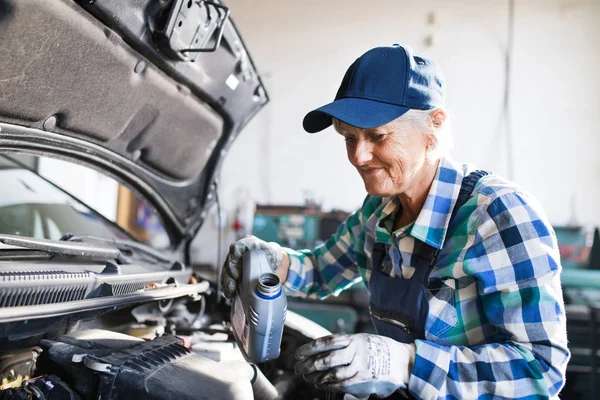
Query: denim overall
399	307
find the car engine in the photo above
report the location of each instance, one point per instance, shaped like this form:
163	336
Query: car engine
181	348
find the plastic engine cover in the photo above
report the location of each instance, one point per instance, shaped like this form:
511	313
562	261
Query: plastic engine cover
107	365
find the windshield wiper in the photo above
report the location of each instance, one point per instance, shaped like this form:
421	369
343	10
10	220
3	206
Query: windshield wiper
119	243
86	250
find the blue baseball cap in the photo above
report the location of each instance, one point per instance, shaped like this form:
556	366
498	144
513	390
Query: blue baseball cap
380	86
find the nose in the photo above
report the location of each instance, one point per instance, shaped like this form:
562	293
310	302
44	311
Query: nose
360	154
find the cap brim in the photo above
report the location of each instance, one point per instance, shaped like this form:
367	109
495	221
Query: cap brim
362	113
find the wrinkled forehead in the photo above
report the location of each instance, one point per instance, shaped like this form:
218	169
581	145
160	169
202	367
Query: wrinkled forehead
396	125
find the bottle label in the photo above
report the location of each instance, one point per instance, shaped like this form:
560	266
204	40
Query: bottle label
240	325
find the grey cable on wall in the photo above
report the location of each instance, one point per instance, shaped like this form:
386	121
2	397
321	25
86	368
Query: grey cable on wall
506	102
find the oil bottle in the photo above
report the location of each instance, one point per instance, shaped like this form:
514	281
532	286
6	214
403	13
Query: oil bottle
259	309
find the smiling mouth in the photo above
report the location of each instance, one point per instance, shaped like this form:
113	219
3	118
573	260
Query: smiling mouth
369	171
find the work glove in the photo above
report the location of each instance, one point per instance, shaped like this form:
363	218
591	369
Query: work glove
232	269
361	364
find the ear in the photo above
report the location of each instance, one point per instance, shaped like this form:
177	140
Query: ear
438	118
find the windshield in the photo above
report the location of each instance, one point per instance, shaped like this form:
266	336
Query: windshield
31	206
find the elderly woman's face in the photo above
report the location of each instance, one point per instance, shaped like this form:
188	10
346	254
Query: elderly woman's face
388	158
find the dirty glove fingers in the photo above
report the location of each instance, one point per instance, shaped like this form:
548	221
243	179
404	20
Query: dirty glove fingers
228	282
325	361
237	249
368	364
231	270
230	288
231	274
336	375
273	250
324	344
314	377
233	266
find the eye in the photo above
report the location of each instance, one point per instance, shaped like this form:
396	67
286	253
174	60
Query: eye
377	137
350	139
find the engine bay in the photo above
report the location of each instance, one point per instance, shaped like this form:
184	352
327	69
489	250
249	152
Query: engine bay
180	348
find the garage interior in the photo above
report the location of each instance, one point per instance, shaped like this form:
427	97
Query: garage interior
522	92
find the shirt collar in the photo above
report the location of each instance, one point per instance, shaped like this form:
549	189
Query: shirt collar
432	222
385	212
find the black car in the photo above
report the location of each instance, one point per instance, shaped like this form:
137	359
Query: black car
151	93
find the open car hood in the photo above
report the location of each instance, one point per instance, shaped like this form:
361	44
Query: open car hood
104	83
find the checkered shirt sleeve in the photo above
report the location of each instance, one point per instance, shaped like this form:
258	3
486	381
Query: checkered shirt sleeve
514	258
331	267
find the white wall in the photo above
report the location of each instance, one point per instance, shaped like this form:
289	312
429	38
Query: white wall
302	49
93	188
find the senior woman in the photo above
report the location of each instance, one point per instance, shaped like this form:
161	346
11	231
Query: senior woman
462	266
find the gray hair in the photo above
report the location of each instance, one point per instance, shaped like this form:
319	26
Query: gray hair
443	134
422	121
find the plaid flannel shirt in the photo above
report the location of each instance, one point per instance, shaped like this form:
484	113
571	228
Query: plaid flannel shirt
496	327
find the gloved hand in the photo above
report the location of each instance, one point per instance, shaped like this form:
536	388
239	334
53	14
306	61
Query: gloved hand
232	269
361	364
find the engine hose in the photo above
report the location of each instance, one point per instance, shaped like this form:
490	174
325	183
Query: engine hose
262	388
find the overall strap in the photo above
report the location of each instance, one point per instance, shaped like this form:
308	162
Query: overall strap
466	188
